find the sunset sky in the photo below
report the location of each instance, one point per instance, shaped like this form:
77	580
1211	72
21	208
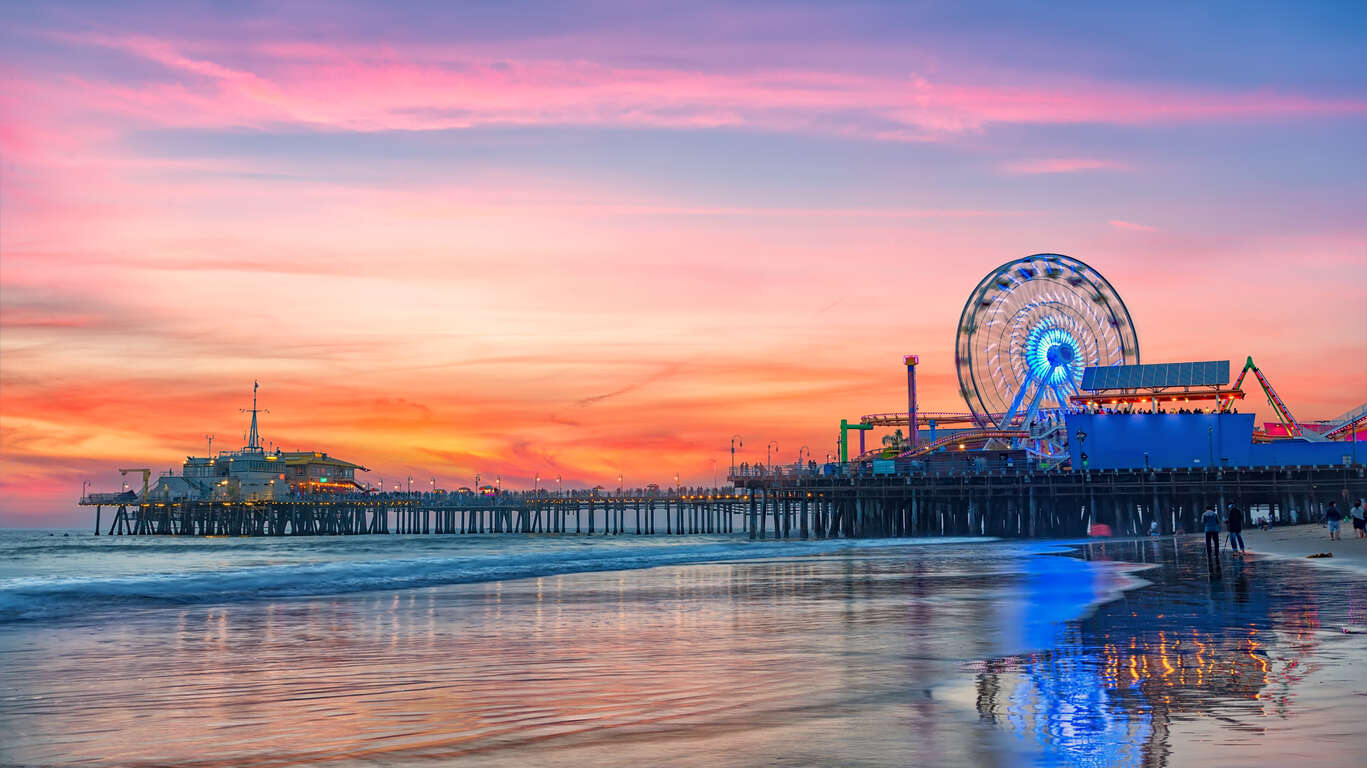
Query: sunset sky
592	238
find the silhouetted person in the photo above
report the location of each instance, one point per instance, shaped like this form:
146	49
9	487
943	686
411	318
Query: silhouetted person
1210	520
1332	516
1359	516
1234	523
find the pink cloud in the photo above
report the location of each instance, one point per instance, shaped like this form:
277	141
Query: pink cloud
1064	165
1131	226
361	88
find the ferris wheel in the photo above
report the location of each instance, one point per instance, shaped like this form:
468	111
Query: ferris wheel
1029	329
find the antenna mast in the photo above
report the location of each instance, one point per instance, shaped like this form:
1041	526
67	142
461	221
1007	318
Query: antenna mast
253	436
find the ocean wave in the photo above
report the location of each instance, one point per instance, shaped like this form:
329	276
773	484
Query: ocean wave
27	598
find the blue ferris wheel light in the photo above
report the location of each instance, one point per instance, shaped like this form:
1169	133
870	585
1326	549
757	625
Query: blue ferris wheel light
1053	355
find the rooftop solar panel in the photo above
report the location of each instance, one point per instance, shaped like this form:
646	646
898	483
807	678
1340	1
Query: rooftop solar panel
1210	373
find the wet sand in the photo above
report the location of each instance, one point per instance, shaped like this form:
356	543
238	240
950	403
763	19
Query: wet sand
1299	541
1108	653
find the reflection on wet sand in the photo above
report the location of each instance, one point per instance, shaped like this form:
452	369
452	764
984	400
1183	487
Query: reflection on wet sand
832	659
1110	688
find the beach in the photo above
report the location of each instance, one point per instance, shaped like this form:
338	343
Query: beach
925	652
1300	541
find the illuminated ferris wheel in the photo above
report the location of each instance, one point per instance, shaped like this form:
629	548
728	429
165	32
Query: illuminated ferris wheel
1029	329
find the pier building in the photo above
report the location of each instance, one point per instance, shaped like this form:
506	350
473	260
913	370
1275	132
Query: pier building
252	473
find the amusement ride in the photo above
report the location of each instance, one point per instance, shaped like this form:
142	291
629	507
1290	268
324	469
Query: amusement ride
1028	331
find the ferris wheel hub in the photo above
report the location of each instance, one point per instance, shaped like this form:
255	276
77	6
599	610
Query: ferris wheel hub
1061	354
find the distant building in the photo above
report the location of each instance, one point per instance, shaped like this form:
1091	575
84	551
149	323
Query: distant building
313	472
253	474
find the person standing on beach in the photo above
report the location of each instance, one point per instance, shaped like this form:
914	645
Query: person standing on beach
1359	516
1234	523
1211	521
1332	517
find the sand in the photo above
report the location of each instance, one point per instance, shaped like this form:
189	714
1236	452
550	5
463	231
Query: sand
1298	541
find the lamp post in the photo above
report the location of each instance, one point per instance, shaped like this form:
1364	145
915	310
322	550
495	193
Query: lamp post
557	485
536	483
619	483
735	443
410	485
498	485
799	455
769	451
434	485
676	479
1081	444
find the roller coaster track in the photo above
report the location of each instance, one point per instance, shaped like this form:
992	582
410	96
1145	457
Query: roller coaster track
941	419
963	437
1350	423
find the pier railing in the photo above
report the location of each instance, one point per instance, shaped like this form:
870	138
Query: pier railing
1023	502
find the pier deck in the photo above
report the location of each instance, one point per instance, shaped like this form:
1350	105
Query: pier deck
1006	503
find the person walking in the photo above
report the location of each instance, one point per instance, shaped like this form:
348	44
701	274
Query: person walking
1234	523
1332	516
1359	515
1210	520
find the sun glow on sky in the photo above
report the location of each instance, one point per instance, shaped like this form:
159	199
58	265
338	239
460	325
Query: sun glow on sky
584	239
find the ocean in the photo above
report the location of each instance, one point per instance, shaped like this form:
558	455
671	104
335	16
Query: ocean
689	650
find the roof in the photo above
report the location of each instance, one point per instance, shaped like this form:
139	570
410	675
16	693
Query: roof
296	458
1211	373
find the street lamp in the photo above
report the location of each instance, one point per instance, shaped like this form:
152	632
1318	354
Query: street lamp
536	481
557	485
498	484
619	483
735	443
769	450
799	455
434	485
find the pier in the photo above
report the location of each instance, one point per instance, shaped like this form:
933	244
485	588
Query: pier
1037	503
1058	440
1026	503
584	513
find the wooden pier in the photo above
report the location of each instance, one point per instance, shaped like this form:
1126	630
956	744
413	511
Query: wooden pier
1014	504
585	514
1032	503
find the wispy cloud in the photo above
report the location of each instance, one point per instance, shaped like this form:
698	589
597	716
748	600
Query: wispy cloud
354	87
1131	226
1064	165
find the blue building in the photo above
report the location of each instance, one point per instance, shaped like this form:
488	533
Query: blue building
1178	440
